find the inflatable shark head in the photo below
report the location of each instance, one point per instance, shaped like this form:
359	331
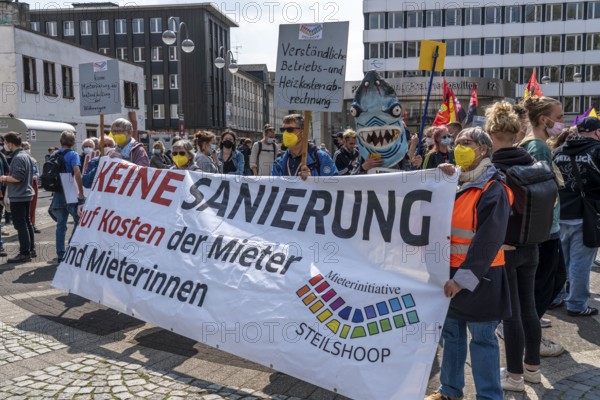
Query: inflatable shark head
378	117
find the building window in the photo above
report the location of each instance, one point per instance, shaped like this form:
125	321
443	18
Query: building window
473	16
35	26
396	20
156	25
453	17
453	47
554	12
120	26
395	50
85	28
552	43
493	15
473	73
533	13
593	41
511	75
67	82
122	53
68	28
104	50
173	81
51	28
590	101
103	27
172	53
138	54
512	14
492	73
570	71
472	47
433	18
157	54
49	79
376	50
532	44
413	49
553	73
158	111
414	19
377	21
174	113
572	104
137	26
29	74
592	73
512	45
573	42
131	95
593	9
492	45
395	74
574	10
158	82
452	72
412	74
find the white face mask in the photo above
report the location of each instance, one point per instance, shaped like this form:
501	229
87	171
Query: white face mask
6	147
28	151
270	140
88	150
429	141
446	142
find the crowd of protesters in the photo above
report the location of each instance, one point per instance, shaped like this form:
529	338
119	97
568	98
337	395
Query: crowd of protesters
496	289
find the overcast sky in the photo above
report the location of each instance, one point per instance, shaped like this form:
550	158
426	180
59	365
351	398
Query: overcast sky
259	20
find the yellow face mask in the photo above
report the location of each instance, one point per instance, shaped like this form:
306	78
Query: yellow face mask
180	161
464	156
290	139
120	139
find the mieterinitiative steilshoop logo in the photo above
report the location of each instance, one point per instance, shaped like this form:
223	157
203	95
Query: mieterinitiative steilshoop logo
351	321
310	32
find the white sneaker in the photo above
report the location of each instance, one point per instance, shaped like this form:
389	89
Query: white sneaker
545	323
532	376
550	349
511	384
500	330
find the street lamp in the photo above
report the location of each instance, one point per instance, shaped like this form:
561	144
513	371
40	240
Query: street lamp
562	70
187	45
220	62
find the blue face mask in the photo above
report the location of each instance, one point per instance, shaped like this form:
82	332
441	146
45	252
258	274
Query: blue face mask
213	147
446	142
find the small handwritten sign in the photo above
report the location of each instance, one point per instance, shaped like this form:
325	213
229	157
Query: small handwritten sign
311	66
99	88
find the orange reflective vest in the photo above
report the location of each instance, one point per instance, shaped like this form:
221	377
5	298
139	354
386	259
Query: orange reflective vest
464	224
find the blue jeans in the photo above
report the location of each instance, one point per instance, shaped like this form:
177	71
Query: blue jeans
579	259
60	211
485	359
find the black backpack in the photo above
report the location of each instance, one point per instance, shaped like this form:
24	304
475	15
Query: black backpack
535	191
50	178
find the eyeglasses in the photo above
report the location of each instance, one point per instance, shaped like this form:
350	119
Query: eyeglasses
180	153
446	137
465	142
118	132
289	128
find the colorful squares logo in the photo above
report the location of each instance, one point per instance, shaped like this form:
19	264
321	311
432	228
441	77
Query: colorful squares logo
324	302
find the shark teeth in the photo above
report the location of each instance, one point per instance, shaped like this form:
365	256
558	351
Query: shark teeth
379	137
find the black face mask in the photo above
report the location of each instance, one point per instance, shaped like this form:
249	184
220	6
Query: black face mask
227	144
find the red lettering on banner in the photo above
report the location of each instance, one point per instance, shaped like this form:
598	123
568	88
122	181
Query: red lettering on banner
116	176
166	187
100	181
130	228
145	184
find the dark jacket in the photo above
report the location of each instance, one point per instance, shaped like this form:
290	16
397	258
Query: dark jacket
587	157
489	298
346	162
435	158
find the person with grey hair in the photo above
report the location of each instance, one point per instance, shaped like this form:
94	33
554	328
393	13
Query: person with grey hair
59	208
127	147
183	156
478	285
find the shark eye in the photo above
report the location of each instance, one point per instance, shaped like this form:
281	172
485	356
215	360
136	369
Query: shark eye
396	110
355	111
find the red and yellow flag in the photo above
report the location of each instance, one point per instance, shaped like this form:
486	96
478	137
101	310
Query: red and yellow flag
448	111
533	87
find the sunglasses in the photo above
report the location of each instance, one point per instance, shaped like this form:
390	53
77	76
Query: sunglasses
282	129
180	153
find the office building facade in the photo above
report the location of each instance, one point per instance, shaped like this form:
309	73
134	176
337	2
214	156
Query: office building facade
500	39
134	33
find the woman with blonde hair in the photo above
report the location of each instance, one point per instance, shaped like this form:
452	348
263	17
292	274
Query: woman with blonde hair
206	156
522	331
158	158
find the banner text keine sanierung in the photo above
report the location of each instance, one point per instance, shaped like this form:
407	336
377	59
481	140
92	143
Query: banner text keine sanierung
322	264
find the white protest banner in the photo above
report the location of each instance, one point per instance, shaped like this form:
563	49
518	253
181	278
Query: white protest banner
337	281
311	66
69	186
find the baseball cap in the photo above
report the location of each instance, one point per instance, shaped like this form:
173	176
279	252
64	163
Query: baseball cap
588	124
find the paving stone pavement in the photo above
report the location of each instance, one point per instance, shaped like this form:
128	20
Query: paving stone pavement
56	345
